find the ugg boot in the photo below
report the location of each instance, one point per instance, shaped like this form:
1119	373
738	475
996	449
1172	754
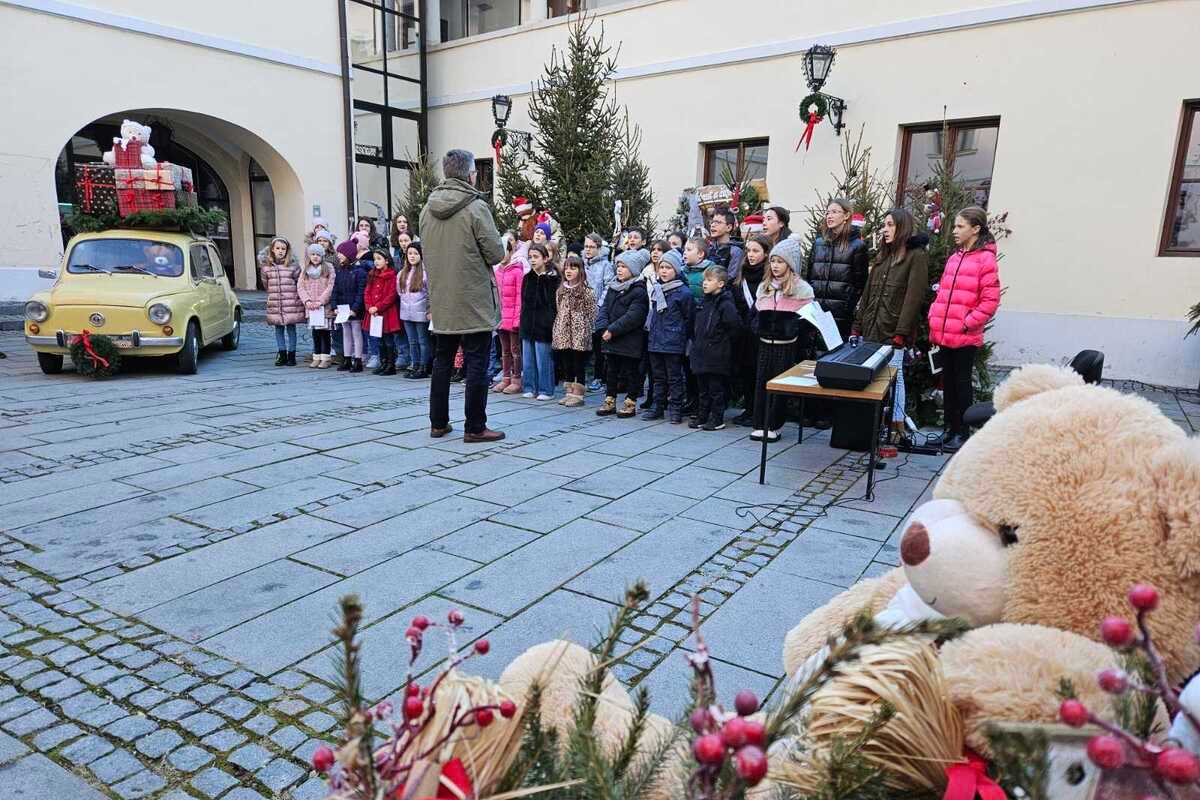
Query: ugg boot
291	358
281	358
324	362
502	384
608	408
514	387
574	398
316	361
628	409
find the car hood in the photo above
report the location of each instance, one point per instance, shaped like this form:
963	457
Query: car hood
132	291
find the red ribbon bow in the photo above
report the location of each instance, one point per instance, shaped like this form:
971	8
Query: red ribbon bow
453	774
87	349
965	781
806	138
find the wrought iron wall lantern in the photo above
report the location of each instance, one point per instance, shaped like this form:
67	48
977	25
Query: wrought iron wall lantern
818	61
501	111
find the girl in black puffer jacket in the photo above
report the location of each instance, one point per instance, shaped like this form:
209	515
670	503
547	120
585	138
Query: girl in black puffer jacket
744	289
837	265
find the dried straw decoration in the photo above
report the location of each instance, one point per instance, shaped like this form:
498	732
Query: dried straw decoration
913	747
487	753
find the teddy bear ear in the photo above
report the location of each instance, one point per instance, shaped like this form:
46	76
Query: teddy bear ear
1176	473
1032	379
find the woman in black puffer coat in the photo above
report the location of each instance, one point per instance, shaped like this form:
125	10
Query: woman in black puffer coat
837	265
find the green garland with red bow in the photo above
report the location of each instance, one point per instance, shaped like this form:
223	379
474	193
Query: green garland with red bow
95	355
813	109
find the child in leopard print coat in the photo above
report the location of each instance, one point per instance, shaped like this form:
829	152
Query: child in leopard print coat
573	322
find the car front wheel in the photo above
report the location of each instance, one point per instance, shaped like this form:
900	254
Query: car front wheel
185	363
230	340
51	363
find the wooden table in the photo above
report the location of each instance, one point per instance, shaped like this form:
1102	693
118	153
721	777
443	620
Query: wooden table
880	389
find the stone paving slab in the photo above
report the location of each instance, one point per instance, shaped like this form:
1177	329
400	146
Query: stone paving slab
177	546
37	777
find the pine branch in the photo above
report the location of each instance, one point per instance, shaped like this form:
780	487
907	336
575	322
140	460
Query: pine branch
629	746
1020	761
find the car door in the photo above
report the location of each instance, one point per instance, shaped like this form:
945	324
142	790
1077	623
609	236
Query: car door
206	291
226	299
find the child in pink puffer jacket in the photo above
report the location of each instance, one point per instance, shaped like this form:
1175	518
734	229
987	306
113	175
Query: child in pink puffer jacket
509	275
968	296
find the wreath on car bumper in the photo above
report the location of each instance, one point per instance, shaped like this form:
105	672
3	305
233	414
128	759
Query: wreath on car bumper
95	355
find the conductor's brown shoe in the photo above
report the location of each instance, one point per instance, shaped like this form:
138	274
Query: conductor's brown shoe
485	435
437	433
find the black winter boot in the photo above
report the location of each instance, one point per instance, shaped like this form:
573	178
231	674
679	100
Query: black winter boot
357	366
388	363
383	359
291	358
281	358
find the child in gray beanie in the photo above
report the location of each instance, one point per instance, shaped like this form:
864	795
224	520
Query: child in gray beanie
621	322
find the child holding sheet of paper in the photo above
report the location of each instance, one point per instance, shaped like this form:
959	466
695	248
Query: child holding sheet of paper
779	329
382	320
347	301
315	287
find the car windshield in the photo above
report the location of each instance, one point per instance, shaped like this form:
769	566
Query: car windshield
126	257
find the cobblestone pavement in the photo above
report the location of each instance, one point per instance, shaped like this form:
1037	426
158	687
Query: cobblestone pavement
173	548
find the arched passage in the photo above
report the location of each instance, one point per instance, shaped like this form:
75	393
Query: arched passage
229	164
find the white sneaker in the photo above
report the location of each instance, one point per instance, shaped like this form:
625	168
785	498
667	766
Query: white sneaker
756	436
528	395
545	397
372	362
773	436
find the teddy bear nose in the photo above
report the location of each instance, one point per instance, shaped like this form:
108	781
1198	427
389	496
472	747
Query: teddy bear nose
914	544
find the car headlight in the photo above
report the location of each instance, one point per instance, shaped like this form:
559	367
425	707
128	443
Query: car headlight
36	311
160	314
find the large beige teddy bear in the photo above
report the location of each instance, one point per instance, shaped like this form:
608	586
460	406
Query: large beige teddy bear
1038	527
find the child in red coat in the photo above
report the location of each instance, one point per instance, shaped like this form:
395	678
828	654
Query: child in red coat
379	298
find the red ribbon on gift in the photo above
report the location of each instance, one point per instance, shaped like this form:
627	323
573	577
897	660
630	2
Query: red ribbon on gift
966	781
87	184
88	350
806	138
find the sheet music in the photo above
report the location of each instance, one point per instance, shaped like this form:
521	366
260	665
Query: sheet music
797	380
316	318
376	326
343	314
824	322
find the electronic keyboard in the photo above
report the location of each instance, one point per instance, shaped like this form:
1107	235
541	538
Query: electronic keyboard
852	367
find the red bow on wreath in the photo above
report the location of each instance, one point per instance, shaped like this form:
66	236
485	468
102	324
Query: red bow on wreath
814	120
84	337
966	781
499	139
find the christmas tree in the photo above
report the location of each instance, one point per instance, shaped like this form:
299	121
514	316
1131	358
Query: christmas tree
862	185
577	130
422	179
631	179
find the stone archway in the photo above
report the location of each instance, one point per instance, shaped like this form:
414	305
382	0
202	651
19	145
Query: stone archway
228	149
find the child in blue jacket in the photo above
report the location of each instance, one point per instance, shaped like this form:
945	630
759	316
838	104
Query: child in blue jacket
671	309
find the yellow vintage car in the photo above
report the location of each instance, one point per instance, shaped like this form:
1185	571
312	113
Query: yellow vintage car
154	293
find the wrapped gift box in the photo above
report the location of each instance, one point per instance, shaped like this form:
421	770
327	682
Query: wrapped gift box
130	201
182	177
159	179
185	199
96	188
130	155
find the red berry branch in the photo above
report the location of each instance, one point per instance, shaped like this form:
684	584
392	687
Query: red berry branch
1167	763
721	734
392	765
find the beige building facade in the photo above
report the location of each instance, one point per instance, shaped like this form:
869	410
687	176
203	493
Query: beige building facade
1074	116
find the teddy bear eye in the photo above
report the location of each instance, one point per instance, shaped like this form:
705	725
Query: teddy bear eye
1008	535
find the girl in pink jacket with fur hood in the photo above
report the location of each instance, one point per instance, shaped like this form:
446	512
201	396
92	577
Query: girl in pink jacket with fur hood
509	274
967	298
